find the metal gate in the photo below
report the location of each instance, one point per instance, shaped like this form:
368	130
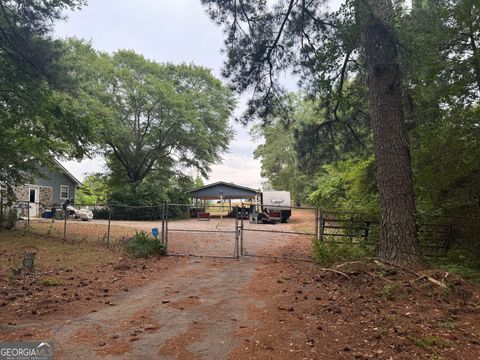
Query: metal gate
216	232
210	233
292	239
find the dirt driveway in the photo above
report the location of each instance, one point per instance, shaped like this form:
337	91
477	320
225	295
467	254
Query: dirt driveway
189	308
191	313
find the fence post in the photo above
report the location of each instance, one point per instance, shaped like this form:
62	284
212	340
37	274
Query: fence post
322	226
166	228
28	216
163	223
65	216
241	228
109	223
1	212
237	234
317	227
367	230
449	240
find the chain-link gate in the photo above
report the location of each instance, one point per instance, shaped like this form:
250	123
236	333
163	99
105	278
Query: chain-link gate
213	231
288	232
206	232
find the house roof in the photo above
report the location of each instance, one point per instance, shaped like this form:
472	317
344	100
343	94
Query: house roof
67	173
222	189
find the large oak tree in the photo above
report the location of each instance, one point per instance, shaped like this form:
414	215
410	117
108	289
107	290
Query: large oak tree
157	118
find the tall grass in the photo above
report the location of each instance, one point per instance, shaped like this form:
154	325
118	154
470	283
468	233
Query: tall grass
328	253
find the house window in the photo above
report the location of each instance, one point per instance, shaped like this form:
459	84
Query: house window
63	192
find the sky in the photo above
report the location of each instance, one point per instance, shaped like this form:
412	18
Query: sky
165	31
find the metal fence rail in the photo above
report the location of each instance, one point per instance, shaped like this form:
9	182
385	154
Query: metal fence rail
233	230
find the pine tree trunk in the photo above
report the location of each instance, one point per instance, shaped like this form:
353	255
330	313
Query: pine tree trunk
398	238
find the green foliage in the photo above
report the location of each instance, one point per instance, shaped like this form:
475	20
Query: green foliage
432	343
157	117
328	253
460	262
154	190
42	114
444	73
391	291
141	245
49	282
198	182
348	185
439	57
279	159
8	218
159	120
95	190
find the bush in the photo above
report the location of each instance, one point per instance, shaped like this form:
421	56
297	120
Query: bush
8	219
141	245
459	262
101	213
328	253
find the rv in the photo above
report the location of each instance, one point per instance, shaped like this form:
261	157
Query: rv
278	204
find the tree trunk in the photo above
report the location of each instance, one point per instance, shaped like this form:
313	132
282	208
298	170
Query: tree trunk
398	239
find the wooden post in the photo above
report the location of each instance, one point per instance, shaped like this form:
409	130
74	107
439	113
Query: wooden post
317	227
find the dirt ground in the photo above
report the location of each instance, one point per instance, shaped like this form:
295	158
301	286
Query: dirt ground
94	302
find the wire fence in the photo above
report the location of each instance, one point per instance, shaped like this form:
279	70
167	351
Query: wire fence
227	230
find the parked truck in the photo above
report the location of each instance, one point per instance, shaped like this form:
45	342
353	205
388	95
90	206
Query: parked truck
278	204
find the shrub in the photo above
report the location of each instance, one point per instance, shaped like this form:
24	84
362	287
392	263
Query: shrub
101	213
8	219
328	253
141	245
459	262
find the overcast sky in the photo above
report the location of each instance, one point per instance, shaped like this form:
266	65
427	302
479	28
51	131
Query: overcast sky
166	31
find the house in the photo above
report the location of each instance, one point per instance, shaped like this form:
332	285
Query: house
55	186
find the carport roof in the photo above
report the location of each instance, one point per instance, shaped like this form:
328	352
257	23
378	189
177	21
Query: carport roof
223	190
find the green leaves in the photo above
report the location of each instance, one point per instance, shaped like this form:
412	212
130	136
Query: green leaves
41	113
152	118
348	185
162	116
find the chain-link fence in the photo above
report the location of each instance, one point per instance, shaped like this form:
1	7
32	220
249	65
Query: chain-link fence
228	230
287	232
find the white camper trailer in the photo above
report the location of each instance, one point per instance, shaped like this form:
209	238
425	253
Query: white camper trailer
277	202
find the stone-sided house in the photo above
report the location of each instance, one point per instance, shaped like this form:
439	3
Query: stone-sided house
55	186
